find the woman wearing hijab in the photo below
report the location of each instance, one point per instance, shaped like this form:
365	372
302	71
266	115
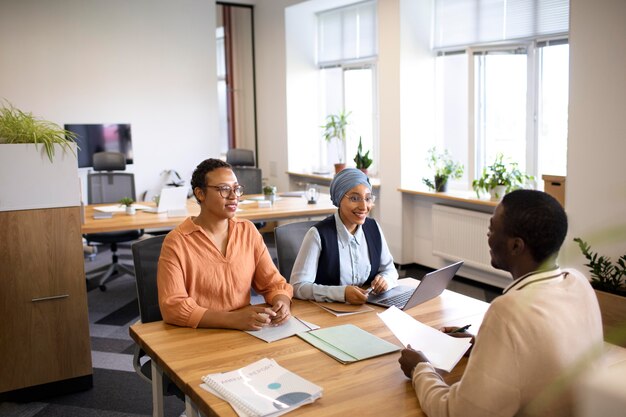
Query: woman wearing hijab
346	253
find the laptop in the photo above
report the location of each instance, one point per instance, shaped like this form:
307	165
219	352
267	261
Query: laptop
405	297
170	199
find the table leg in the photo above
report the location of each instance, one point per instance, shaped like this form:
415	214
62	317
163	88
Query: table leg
157	390
190	408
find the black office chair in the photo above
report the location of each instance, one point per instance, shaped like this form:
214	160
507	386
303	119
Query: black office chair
146	259
289	238
106	186
240	157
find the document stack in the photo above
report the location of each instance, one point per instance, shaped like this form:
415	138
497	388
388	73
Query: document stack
262	389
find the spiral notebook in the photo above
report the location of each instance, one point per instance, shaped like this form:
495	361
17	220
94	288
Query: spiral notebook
262	389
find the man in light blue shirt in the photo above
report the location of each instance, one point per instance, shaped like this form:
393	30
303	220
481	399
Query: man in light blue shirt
345	253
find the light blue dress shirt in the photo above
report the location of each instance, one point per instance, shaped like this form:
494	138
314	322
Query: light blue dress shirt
354	264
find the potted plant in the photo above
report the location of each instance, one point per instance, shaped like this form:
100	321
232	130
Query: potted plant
363	161
609	281
500	178
444	167
269	191
17	126
335	129
28	146
128	202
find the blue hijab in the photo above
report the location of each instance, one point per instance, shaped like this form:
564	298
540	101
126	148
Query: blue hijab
344	181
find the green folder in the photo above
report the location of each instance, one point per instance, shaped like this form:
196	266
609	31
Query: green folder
348	343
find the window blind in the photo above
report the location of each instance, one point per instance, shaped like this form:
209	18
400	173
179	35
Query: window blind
347	33
461	23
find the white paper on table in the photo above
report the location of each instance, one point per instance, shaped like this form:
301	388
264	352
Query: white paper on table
273	333
443	351
119	208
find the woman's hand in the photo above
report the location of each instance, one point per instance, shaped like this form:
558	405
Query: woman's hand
355	295
378	284
251	318
281	305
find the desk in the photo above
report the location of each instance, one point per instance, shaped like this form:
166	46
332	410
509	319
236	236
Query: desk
187	354
283	209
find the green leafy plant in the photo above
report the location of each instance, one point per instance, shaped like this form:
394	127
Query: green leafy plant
17	126
335	128
363	161
500	173
269	190
605	275
126	201
444	168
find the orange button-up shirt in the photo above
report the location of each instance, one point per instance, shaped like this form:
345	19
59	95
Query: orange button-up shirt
193	275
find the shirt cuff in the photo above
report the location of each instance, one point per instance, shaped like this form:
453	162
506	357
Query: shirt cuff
196	316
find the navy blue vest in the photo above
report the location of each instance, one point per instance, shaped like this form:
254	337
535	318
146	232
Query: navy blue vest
328	263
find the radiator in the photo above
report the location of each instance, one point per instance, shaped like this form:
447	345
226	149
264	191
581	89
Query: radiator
460	234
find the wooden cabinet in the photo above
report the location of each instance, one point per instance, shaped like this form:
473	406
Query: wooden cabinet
43	302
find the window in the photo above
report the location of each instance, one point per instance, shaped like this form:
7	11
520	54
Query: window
347	75
497	53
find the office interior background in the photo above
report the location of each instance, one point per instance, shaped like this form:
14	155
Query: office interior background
153	64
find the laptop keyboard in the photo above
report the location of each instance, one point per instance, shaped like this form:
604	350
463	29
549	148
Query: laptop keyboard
397	300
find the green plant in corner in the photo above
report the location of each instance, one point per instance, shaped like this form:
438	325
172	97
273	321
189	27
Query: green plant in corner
126	201
17	126
363	161
444	167
500	173
335	128
605	275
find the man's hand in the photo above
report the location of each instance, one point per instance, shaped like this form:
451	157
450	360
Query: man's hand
281	306
409	359
355	295
449	331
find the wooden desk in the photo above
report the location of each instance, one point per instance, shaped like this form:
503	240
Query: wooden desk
376	385
282	209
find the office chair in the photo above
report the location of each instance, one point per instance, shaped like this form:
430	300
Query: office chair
105	186
240	157
146	259
289	238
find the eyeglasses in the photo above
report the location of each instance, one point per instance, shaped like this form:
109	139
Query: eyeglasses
225	190
355	199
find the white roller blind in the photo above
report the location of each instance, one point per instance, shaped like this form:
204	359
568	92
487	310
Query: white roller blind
474	22
347	33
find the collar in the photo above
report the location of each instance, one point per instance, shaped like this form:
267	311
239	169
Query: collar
538	277
343	236
188	226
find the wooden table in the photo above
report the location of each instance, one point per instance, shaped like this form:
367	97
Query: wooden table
283	208
376	386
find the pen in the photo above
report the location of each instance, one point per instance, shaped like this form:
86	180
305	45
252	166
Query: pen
369	290
460	329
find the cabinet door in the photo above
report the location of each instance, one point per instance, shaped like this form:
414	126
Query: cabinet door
43	300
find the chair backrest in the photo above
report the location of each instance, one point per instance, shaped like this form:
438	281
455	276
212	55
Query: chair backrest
251	178
146	259
109	187
240	157
109	161
289	238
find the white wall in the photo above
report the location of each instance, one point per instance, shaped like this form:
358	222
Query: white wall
150	63
596	177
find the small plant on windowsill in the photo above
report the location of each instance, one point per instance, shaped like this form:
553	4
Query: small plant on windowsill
500	178
444	168
362	161
335	129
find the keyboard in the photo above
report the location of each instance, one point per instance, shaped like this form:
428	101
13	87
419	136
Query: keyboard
398	300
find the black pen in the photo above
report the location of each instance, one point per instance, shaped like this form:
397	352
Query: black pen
460	329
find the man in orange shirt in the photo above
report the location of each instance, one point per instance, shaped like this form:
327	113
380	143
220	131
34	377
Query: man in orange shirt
209	262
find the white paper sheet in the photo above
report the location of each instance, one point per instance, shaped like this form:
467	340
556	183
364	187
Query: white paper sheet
443	351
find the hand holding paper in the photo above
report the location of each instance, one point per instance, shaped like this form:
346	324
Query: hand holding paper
443	351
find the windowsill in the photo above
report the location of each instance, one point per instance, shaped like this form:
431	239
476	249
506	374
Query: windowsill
460	196
327	177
